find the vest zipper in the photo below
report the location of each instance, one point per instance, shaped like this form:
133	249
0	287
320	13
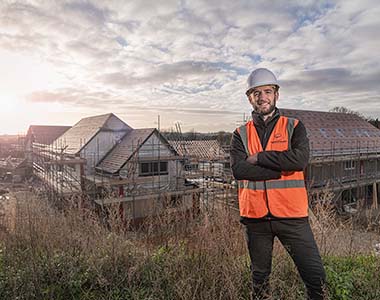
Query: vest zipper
265	136
265	182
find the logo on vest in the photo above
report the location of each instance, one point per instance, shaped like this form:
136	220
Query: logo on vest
278	138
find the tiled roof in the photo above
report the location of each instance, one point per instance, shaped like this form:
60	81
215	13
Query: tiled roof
45	134
201	149
338	132
121	153
83	131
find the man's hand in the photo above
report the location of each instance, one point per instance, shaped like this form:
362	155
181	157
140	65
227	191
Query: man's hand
252	159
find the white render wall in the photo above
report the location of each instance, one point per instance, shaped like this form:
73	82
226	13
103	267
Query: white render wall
154	147
154	150
114	123
103	142
98	147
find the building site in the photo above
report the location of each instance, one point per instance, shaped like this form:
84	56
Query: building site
102	161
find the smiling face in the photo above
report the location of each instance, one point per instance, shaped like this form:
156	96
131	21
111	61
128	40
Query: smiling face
263	99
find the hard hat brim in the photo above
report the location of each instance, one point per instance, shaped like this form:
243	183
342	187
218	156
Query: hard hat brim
262	84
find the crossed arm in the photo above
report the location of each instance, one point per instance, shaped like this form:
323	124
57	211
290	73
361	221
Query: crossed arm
268	165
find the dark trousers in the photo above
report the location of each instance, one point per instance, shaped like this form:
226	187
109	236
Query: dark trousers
297	238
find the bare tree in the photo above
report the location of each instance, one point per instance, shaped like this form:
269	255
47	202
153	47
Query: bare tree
345	110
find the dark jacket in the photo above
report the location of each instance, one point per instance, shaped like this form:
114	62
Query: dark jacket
270	163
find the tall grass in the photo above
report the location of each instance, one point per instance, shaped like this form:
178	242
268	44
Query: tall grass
74	254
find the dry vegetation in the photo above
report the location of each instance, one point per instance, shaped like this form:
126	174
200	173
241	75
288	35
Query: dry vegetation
72	254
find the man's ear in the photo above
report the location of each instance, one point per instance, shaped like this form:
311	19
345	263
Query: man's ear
250	99
277	94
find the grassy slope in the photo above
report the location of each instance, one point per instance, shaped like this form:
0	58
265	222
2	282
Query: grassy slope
45	254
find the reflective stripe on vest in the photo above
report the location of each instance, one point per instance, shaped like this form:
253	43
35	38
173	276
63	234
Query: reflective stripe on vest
284	197
244	138
275	184
290	128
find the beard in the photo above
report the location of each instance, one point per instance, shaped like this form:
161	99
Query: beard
267	110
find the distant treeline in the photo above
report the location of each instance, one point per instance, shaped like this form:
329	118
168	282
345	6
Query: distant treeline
345	110
374	122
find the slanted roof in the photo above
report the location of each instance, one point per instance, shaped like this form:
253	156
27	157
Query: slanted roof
82	132
337	132
45	134
123	151
201	149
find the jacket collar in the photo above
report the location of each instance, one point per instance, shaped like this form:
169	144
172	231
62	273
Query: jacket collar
259	120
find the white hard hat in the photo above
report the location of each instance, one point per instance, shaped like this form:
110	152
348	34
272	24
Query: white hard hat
260	77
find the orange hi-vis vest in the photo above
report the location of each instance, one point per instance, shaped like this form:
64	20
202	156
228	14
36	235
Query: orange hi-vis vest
285	197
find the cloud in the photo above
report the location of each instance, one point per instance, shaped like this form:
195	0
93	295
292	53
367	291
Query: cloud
81	97
183	71
85	10
193	57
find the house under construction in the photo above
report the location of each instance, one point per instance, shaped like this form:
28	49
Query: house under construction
207	164
344	156
106	160
204	158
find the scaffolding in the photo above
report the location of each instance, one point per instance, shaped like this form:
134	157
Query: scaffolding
151	179
196	172
60	175
207	165
348	169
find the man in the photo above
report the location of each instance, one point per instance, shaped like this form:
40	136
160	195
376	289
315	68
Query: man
268	156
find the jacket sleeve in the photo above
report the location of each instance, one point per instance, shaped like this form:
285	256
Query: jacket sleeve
295	159
243	170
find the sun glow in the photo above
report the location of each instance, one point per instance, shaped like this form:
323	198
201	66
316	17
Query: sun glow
22	75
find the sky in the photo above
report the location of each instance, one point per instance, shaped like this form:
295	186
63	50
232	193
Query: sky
158	63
